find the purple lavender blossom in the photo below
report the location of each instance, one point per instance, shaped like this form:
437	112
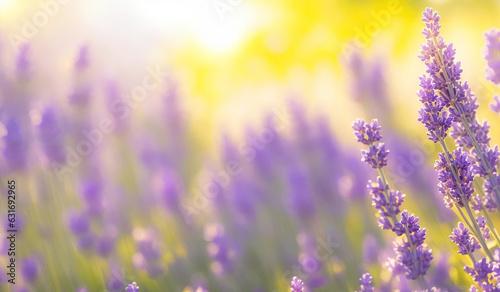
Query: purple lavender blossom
459	101
481	222
416	261
412	254
296	285
387	209
431	114
132	287
447	182
481	274
367	134
476	203
492	55
366	283
467	244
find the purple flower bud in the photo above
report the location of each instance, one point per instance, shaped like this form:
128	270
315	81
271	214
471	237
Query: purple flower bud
366	283
448	183
296	285
481	222
132	287
431	20
466	243
481	274
416	262
432	115
365	133
376	156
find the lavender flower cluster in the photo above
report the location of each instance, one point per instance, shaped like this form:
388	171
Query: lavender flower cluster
412	254
449	112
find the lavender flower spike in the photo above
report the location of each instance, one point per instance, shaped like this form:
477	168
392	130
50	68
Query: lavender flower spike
482	274
296	285
413	255
366	283
459	186
459	101
369	134
466	243
432	115
132	287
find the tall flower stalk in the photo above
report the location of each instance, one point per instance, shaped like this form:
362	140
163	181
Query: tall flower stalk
413	255
448	103
456	98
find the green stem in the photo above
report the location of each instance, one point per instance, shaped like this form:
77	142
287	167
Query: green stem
473	259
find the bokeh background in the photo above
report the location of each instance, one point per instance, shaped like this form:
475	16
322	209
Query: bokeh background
179	144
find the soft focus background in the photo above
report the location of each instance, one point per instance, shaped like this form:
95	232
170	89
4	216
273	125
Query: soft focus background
208	143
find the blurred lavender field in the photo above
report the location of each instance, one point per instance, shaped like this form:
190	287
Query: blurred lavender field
188	147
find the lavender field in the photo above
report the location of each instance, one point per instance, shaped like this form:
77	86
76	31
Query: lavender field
261	146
